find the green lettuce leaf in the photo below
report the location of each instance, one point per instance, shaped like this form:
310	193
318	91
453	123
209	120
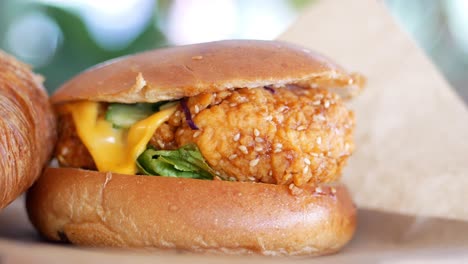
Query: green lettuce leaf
185	162
125	115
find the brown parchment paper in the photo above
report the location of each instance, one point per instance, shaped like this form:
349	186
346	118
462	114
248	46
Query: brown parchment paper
412	129
412	156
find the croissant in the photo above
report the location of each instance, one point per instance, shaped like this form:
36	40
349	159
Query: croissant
27	128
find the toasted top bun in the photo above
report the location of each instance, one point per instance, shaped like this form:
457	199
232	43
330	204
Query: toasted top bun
176	72
101	209
27	128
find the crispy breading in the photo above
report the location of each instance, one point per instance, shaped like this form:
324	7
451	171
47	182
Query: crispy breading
70	151
292	136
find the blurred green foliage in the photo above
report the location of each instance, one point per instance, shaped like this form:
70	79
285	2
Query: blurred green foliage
77	50
77	47
300	4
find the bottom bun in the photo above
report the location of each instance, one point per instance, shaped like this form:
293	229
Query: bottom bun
91	208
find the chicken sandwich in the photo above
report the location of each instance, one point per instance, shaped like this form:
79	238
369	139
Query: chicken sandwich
230	146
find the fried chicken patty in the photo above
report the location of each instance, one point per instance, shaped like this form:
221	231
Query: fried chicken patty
281	136
291	136
70	151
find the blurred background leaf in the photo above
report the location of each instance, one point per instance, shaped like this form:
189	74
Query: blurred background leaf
67	63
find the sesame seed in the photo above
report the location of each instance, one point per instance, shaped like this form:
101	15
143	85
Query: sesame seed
326	104
196	134
242	99
314	85
314	154
278	147
270	173
232	179
350	81
258	149
294	189
180	132
254	162
318	102
268	118
305	170
259	139
333	190
282	108
160	143
319	117
236	137
233	156
300	128
199	57
66	150
319	140
251	178
256	132
318	189
329	153
243	149
196	109
318	96
232	104
279	119
307	161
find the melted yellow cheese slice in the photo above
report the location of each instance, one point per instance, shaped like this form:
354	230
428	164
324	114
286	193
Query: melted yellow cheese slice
113	149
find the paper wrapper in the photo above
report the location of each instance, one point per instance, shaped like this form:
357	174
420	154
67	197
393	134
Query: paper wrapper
411	158
412	152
